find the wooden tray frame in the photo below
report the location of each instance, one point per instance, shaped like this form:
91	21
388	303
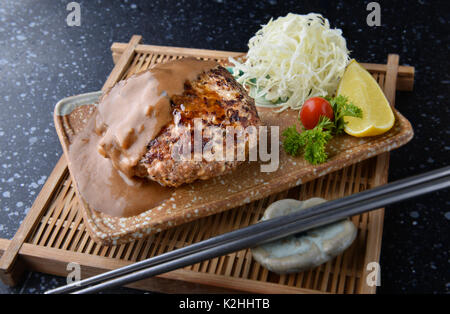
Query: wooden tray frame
53	235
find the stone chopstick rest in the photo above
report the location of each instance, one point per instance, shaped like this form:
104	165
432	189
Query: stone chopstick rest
308	249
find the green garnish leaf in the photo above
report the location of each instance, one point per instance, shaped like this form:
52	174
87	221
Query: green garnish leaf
316	141
342	107
312	143
293	142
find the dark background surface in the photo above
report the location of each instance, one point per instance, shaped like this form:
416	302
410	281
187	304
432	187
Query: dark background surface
43	60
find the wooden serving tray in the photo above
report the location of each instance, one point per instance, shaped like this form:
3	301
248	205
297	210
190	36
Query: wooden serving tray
55	233
244	185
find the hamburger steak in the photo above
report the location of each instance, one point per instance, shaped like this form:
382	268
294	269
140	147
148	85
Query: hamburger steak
219	101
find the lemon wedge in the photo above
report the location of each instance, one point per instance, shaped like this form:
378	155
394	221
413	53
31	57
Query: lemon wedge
362	89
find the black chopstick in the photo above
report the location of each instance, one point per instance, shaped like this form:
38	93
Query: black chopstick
268	230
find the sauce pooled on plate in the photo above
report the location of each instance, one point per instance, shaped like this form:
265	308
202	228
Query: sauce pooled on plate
105	154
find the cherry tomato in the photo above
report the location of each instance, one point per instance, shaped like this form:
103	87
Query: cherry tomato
313	109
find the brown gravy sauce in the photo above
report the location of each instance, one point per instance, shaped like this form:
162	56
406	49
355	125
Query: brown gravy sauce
104	155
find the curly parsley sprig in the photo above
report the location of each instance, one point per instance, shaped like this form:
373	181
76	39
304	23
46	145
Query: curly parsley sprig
312	143
342	107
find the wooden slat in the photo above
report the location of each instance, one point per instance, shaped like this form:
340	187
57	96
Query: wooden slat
63	189
54	261
376	218
124	61
391	78
118	49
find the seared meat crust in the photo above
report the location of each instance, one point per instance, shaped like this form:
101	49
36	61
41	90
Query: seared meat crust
219	101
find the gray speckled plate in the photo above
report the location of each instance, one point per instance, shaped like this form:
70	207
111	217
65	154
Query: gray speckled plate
246	184
67	105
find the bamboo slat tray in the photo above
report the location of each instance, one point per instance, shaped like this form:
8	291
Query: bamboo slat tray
203	198
54	233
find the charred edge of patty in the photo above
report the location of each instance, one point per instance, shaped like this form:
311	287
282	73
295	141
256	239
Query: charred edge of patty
159	147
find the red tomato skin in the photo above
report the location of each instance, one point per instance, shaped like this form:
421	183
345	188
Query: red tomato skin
313	109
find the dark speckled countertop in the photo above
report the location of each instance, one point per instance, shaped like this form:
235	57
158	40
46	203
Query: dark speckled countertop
43	60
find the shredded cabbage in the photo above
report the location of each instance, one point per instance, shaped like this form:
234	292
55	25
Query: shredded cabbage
292	59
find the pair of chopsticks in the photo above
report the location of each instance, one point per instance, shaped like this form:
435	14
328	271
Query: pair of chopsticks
265	231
